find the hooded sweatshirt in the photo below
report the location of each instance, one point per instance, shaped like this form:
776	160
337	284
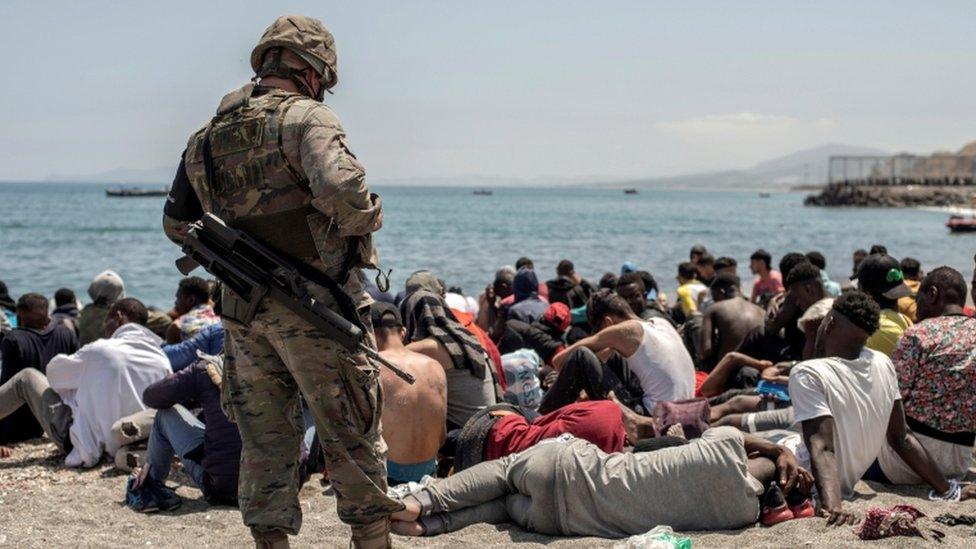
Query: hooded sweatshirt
528	307
102	383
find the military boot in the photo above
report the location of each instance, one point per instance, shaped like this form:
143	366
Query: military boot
275	539
372	536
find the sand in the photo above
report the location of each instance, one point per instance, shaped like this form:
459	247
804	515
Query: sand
44	504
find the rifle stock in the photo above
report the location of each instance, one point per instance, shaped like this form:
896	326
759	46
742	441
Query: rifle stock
253	271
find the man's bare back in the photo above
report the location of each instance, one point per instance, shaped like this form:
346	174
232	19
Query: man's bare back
414	416
731	320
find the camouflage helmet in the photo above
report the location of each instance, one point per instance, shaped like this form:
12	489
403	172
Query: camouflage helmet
308	38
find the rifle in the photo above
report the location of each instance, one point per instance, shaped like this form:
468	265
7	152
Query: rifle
253	271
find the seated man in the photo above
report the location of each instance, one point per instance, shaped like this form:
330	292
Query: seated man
633	289
782	338
528	306
32	344
652	363
432	330
414	416
71	403
726	323
706	269
848	405
908	305
105	289
193	309
819	261
546	336
936	368
880	276
726	264
690	290
758	412
568	287
494	303
65	309
567	486
210	451
767	282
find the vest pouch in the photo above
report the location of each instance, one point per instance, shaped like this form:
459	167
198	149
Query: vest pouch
330	246
236	310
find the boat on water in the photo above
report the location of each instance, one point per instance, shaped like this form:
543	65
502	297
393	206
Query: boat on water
482	192
764	195
961	224
630	191
134	192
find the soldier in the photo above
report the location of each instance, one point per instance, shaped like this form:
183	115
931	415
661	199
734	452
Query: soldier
274	163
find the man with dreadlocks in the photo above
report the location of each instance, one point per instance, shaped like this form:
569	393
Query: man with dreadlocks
274	163
432	330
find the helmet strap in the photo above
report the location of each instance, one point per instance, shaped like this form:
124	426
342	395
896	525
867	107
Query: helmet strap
279	69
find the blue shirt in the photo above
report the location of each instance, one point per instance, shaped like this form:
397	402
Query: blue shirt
210	340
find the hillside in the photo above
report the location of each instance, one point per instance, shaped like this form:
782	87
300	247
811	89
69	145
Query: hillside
808	166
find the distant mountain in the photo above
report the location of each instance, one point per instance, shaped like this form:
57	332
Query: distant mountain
808	166
488	181
805	167
123	176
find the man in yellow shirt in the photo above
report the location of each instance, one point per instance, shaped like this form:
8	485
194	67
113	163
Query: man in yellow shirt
881	277
690	290
912	269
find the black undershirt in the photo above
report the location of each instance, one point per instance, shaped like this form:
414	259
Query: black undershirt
182	204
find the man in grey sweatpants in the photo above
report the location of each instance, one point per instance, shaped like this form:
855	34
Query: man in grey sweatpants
567	486
30	387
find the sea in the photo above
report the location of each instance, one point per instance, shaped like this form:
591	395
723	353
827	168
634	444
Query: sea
55	235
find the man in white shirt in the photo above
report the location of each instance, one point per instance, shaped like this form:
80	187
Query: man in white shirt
73	403
847	405
655	363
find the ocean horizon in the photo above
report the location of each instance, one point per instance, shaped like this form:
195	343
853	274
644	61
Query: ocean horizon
60	234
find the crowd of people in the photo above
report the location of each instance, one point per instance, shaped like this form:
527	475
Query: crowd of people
567	406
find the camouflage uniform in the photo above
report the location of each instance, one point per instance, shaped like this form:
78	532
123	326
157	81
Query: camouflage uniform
283	173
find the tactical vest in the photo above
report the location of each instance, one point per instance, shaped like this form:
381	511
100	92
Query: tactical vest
253	186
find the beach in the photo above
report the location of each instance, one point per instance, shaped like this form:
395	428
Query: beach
48	505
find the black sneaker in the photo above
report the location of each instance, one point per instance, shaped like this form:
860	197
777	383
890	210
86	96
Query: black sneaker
141	499
166	498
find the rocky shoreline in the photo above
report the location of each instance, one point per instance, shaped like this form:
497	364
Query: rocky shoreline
877	196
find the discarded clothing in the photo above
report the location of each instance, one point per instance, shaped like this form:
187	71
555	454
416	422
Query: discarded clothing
899	520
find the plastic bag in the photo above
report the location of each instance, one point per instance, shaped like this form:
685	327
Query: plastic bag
661	537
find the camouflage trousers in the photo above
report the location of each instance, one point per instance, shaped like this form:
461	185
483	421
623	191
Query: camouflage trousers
269	364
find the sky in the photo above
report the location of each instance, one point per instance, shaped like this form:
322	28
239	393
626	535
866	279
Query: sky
540	89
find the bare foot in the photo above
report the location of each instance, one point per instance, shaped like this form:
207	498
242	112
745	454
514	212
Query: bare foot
676	430
410	513
627	418
403	528
636	426
5	452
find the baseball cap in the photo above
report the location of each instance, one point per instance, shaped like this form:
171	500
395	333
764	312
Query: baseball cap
385	315
882	272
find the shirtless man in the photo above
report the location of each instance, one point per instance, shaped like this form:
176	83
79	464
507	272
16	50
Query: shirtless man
414	426
726	323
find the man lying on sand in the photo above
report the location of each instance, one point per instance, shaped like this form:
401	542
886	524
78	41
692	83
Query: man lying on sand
568	486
